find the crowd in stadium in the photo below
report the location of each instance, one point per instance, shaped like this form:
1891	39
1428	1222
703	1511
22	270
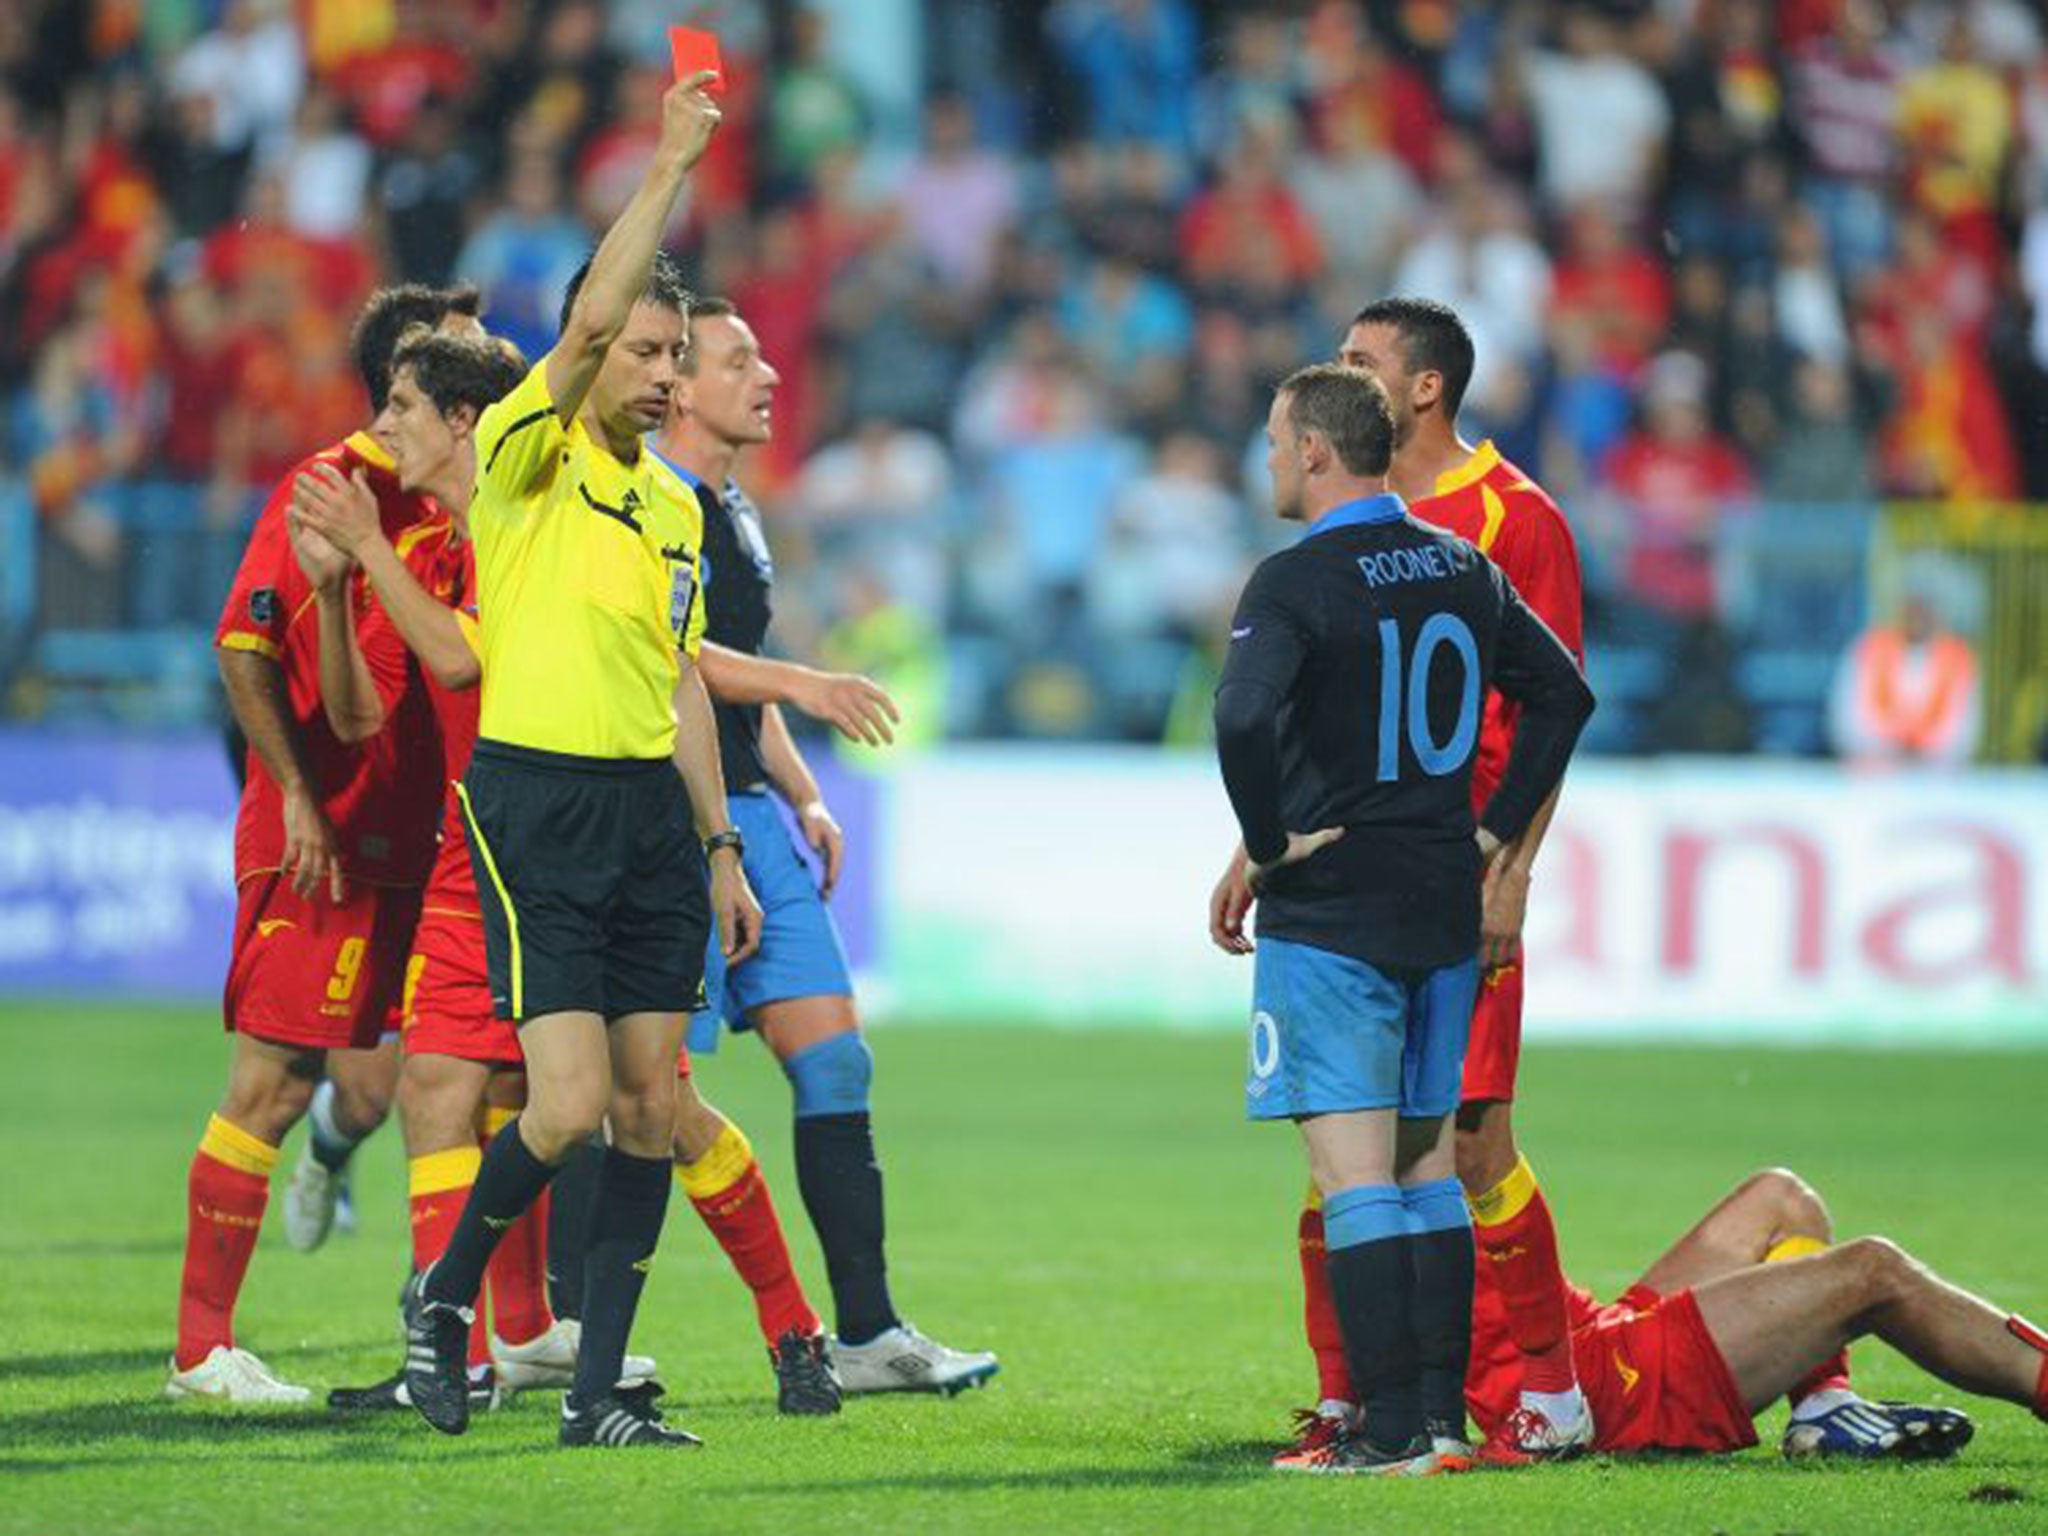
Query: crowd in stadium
1722	259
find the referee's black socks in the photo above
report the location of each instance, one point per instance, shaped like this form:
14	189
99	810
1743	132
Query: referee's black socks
1372	1283
571	1200
632	1201
510	1179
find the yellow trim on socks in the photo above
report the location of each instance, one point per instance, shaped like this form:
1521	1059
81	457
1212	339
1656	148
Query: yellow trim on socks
1794	1248
1507	1199
439	1172
496	1118
719	1169
227	1143
1314	1202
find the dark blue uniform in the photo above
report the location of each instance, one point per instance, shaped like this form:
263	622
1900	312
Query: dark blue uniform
801	954
1352	696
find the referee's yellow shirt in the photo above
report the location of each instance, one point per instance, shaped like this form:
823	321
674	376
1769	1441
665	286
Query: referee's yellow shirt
587	584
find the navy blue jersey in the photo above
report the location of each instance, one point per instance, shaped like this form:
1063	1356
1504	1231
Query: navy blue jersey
737	576
1351	697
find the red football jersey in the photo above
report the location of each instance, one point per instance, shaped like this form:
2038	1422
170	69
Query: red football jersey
383	796
446	567
1493	505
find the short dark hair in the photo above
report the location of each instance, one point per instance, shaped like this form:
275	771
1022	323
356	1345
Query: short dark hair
1350	408
706	306
665	286
459	370
392	312
1433	340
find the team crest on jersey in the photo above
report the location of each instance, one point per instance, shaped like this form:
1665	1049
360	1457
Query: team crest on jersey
263	605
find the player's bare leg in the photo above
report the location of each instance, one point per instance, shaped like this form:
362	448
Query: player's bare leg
716	1167
819	1044
1770	1320
352	1101
1774	1216
1767	1211
1517	1242
269	1084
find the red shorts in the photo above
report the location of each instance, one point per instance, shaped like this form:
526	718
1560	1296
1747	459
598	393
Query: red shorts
307	972
1494	1048
448	1008
1655	1380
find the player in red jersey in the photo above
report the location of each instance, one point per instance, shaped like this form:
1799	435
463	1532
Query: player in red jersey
332	844
1752	1304
453	1042
1422	354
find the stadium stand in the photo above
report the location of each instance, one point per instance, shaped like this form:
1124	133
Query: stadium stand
1740	274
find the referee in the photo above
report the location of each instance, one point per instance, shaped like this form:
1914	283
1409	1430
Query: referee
594	890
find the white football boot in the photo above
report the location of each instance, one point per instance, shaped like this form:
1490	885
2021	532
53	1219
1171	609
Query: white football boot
309	1202
232	1376
901	1359
549	1361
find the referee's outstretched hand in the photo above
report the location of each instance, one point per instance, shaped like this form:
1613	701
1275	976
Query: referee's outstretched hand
734	908
689	117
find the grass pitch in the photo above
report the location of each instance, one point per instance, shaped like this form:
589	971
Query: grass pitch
1092	1206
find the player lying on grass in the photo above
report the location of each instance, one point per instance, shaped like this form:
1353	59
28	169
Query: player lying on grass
1753	1304
796	994
453	1041
1347	722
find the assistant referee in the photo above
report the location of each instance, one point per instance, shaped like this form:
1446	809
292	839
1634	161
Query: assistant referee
596	910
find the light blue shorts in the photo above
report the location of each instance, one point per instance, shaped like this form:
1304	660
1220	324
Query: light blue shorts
1332	1034
800	953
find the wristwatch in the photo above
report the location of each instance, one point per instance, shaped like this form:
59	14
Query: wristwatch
729	838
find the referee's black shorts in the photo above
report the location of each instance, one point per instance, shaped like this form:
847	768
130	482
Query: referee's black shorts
594	890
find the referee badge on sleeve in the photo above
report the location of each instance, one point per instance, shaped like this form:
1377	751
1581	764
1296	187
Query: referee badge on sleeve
682	589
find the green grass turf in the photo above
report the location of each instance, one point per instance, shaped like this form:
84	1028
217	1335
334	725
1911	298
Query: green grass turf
1090	1205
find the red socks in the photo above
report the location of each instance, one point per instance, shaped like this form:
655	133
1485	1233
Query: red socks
727	1190
2034	1339
1319	1311
225	1194
1518	1242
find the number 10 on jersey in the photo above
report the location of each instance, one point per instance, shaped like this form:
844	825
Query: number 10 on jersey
1435	759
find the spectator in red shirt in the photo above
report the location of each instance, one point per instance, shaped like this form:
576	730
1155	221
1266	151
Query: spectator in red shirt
1248	211
1352	76
1616	288
1678	479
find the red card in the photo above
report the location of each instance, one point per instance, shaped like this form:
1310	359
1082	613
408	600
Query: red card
694	53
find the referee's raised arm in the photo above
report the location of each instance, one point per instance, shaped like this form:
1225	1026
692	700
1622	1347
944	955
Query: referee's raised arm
618	271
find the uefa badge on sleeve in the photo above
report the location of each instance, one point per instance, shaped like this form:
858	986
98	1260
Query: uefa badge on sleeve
682	590
263	605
